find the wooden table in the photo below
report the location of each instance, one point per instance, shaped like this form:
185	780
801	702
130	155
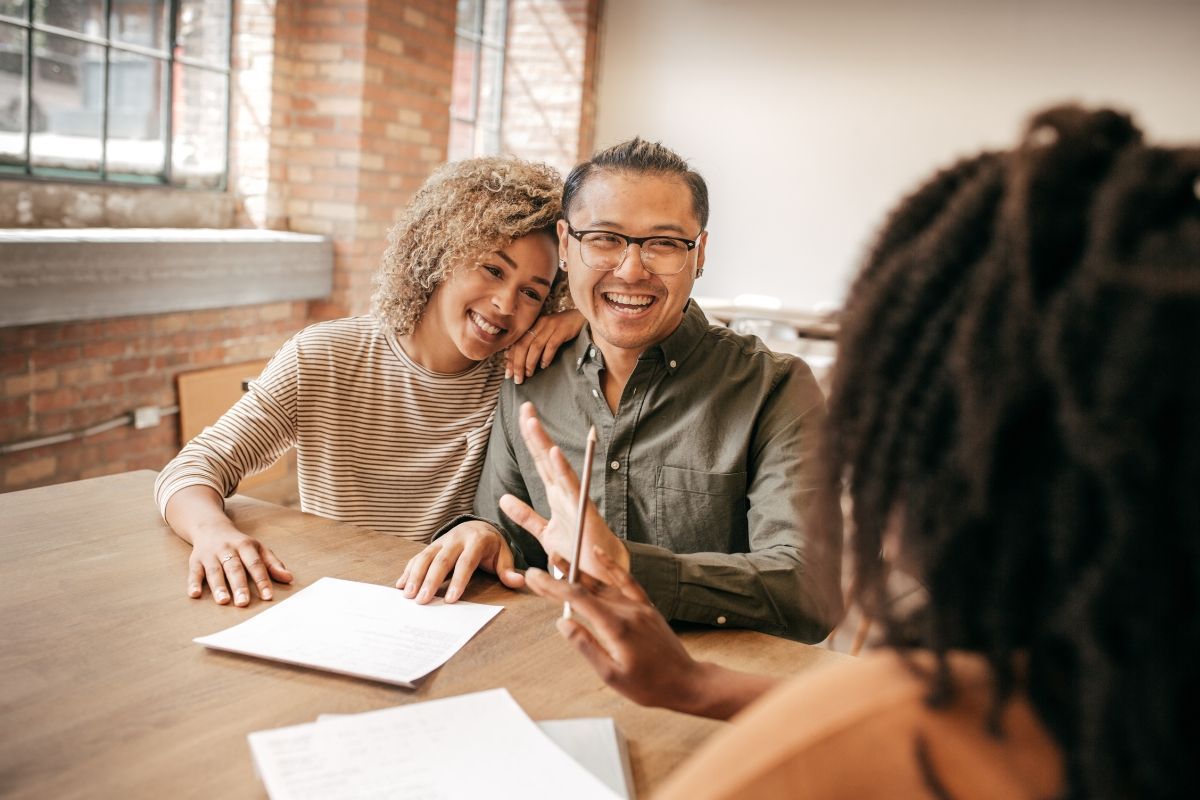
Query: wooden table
104	694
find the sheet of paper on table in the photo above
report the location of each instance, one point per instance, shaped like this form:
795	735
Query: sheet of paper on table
595	742
358	629
473	745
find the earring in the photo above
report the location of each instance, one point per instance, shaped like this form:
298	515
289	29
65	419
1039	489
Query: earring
699	271
562	263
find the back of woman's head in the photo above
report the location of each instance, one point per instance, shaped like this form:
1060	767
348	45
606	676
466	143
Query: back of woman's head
464	210
1018	395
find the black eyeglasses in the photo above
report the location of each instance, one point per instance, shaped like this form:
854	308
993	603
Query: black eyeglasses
606	250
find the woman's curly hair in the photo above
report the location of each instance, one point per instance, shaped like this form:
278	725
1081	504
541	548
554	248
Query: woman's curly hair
1018	385
463	211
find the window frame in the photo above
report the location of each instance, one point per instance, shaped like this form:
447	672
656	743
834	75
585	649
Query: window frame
479	42
101	175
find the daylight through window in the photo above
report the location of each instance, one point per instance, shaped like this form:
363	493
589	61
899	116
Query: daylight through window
478	85
115	90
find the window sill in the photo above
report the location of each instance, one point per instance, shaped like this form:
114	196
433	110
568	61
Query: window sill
61	275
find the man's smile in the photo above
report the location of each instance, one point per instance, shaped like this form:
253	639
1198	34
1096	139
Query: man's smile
629	302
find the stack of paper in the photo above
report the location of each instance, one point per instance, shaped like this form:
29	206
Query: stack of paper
357	629
474	745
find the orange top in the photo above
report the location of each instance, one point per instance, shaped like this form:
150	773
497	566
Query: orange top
852	731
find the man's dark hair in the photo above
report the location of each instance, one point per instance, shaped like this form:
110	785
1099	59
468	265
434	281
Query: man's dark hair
640	157
1018	386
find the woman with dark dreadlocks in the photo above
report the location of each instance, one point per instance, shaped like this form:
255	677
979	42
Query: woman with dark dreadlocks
1016	416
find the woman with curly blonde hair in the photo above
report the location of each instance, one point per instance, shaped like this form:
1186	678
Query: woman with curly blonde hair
389	412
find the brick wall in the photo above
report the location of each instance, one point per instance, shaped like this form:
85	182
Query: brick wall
362	89
58	378
548	80
340	111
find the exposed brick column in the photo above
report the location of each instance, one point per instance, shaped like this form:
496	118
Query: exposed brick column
549	93
253	65
359	120
340	112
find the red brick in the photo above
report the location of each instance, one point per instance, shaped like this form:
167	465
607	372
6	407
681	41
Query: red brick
145	385
61	355
13	362
111	392
11	407
57	399
130	365
30	473
104	350
86	374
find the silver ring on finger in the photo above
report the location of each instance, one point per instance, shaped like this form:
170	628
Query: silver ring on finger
226	558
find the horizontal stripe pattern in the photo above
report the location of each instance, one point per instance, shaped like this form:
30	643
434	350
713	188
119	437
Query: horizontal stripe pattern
380	441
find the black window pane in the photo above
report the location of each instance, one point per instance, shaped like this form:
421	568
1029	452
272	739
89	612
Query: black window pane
12	94
198	146
82	16
68	103
136	135
203	30
140	22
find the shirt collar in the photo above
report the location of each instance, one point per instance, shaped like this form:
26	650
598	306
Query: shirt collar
672	351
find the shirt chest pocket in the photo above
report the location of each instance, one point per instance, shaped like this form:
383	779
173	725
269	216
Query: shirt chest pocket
699	512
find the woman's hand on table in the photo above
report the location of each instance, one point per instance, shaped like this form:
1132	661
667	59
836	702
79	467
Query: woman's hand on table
229	560
221	554
538	346
461	550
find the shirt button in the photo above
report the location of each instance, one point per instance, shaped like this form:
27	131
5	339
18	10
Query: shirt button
595	393
673	364
720	620
615	465
591	351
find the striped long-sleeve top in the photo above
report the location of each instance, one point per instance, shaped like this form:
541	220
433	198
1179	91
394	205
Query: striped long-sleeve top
380	441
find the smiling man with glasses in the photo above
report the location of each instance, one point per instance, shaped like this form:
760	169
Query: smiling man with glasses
705	467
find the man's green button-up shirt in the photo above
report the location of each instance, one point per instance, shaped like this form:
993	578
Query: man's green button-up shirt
706	470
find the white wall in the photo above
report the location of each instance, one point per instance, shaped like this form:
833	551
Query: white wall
811	119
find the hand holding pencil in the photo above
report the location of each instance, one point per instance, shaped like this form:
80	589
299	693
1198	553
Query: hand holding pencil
559	534
580	513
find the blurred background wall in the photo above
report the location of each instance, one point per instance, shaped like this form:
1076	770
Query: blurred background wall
810	118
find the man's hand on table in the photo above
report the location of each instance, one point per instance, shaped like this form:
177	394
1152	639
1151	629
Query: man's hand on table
223	556
461	550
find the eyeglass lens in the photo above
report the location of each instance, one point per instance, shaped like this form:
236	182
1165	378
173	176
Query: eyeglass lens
606	251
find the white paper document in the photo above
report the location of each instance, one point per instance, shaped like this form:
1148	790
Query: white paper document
474	745
598	745
358	629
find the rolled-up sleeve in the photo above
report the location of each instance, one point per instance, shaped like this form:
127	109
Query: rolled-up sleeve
788	583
